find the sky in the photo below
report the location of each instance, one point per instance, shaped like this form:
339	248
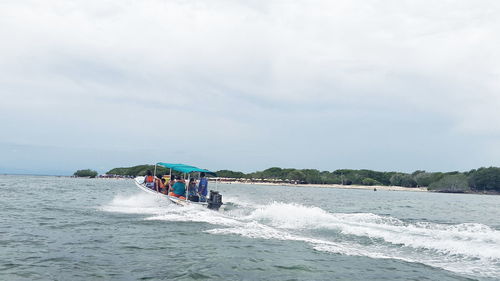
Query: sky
392	85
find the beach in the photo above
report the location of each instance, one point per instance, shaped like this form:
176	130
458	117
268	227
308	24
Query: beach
366	187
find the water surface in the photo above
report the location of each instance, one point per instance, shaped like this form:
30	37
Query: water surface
57	228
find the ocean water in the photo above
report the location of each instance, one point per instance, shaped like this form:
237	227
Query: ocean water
58	228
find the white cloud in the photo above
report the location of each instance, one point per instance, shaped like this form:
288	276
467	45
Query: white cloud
258	71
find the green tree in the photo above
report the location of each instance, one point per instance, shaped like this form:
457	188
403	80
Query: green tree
426	179
273	173
417	172
329	178
139	170
370	181
311	176
86	173
297	175
380	177
451	183
484	179
401	179
230	174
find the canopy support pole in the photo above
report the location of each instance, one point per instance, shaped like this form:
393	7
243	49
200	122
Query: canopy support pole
187	189
154	179
170	182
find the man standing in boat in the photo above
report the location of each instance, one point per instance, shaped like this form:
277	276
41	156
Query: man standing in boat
203	187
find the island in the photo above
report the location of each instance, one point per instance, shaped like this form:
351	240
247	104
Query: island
482	180
87	173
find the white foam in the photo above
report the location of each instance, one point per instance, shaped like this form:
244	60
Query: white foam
464	248
472	240
140	203
469	248
196	214
242	202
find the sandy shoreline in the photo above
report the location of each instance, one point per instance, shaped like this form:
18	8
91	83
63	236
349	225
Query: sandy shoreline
366	187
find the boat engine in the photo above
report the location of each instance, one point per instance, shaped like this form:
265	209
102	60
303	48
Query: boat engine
214	200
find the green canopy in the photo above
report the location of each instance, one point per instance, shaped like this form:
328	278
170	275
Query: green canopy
184	168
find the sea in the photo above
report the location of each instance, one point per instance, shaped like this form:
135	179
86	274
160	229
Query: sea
61	228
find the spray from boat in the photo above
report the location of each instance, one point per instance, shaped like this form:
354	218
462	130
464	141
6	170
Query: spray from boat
467	248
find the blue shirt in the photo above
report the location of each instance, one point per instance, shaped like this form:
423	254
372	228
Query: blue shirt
179	188
202	187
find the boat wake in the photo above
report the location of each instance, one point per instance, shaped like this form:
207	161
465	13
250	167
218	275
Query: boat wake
467	248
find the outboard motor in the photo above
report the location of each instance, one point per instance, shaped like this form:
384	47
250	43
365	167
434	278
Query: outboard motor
214	200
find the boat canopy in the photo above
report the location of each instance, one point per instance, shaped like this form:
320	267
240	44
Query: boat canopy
184	168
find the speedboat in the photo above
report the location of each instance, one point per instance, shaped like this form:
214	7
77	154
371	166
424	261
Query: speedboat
214	201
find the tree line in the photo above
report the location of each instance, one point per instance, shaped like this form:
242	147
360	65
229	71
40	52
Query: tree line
140	170
477	180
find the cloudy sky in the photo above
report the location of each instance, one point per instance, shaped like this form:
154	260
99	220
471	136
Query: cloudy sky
245	85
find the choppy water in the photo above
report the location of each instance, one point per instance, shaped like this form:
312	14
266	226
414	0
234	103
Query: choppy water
82	229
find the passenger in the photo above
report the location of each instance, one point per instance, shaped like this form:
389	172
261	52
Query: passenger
171	183
203	188
192	191
159	185
166	184
149	180
179	188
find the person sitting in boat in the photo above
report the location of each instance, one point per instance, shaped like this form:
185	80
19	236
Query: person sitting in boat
203	188
170	185
159	184
149	180
193	191
179	188
166	184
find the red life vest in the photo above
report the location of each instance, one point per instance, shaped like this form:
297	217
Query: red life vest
149	179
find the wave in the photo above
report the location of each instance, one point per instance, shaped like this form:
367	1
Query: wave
469	248
467	239
140	203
